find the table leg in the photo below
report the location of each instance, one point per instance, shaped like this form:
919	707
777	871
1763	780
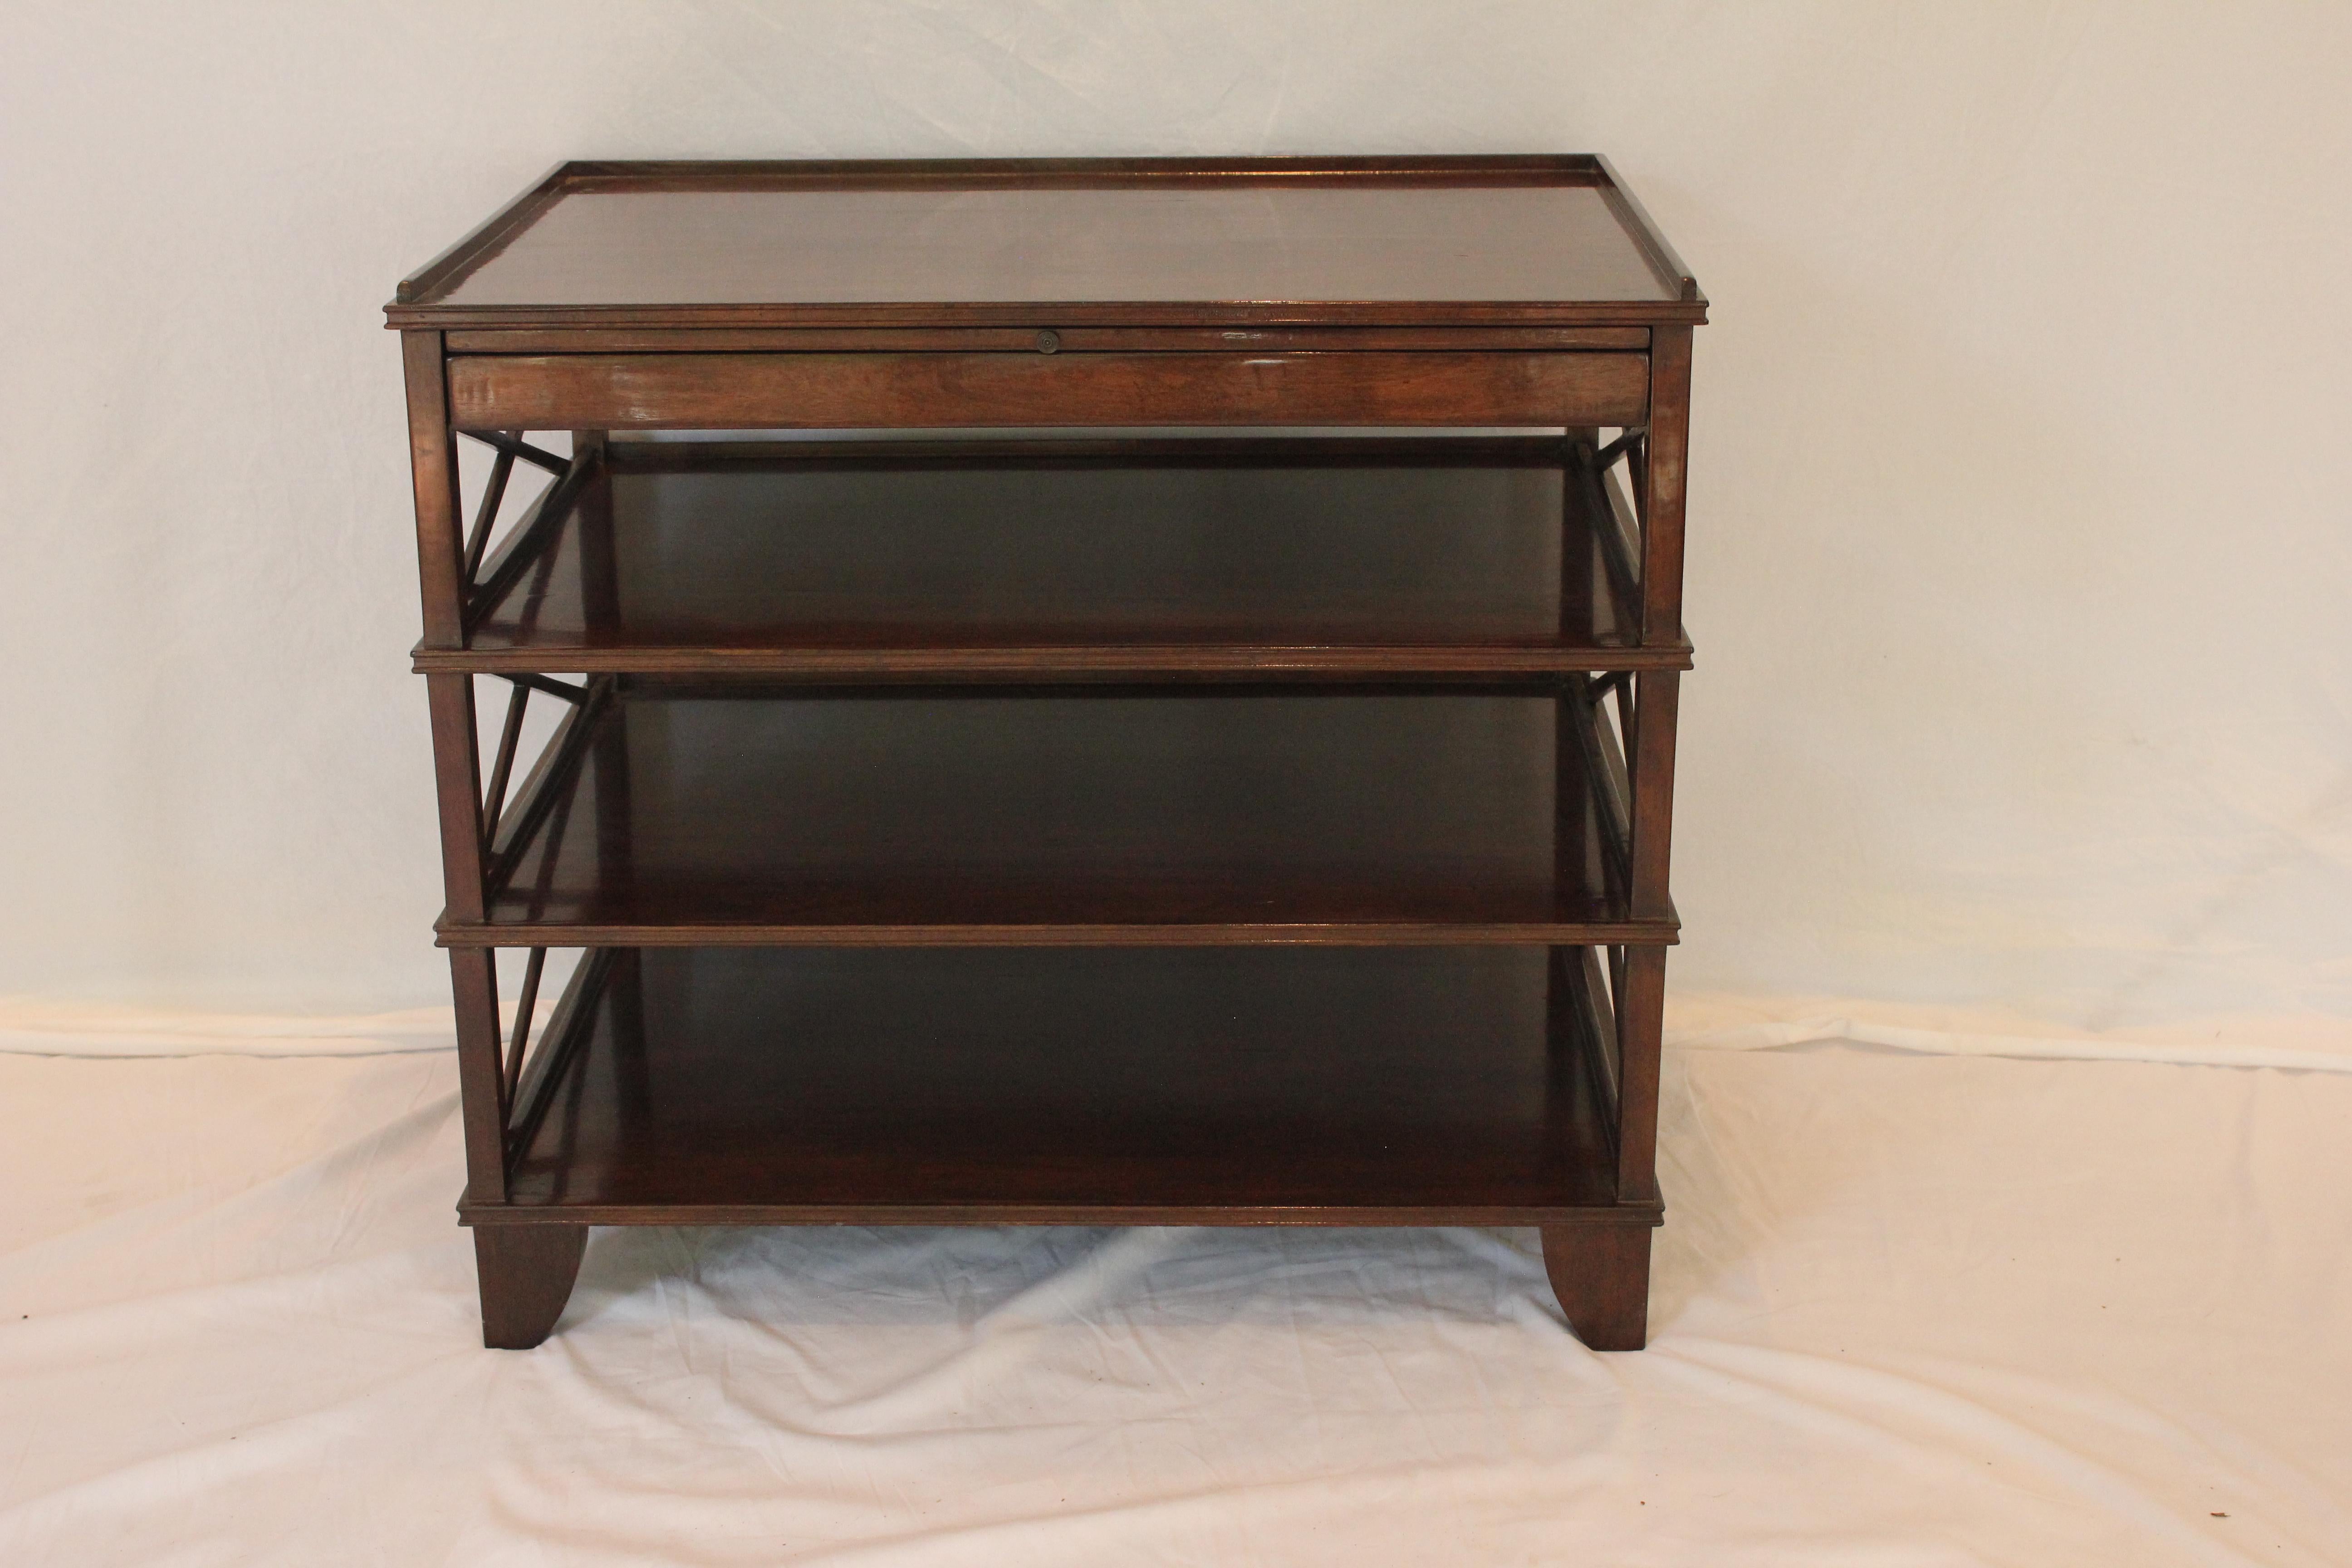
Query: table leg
1600	1272
525	1273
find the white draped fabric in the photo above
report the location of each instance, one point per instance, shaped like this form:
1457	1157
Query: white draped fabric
1909	1307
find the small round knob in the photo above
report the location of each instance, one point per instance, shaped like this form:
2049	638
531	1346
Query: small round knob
1048	341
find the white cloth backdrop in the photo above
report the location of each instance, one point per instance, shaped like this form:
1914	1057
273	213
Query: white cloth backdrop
2006	1136
2019	546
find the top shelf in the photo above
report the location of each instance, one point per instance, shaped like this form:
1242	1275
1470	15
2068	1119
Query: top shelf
1498	241
1136	557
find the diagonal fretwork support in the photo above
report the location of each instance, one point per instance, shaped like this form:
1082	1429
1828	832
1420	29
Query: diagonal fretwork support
494	493
525	1005
510	736
535	1084
490	579
563	690
1581	713
1617	517
1628	442
520	1074
512	445
511	832
509	446
1624	506
494	797
487	574
1586	1056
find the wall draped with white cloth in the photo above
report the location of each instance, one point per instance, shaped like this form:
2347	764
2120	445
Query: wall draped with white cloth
2019	559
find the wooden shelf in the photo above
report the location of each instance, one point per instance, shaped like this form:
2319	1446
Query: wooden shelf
779	1086
1118	558
1099	816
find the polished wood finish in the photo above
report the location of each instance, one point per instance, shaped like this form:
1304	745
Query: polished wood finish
786	1086
1142	810
1024	339
1656	702
1098	816
474	980
526	1278
1665	458
1102	242
1640	996
1069	560
433	465
825	391
458	789
1601	1275
1206	240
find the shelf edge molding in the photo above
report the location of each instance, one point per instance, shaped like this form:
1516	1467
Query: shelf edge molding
1328	933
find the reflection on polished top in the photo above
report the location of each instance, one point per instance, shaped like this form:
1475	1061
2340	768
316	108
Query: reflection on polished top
1209	243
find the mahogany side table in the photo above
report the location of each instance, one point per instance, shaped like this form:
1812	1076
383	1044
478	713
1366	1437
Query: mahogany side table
1108	692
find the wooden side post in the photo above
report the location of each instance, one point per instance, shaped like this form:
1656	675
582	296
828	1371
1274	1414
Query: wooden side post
433	465
1665	455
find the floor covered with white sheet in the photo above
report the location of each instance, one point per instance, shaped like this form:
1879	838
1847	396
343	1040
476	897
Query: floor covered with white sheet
1916	1303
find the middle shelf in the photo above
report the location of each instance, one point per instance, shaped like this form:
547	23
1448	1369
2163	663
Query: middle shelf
675	813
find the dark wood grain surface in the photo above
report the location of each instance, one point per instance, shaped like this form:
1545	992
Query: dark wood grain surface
1024	339
1323	1085
1118	559
1085	242
1188	243
1108	830
1600	1273
847	391
937	818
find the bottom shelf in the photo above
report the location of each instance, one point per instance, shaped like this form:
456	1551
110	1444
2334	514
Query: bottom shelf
1143	1086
